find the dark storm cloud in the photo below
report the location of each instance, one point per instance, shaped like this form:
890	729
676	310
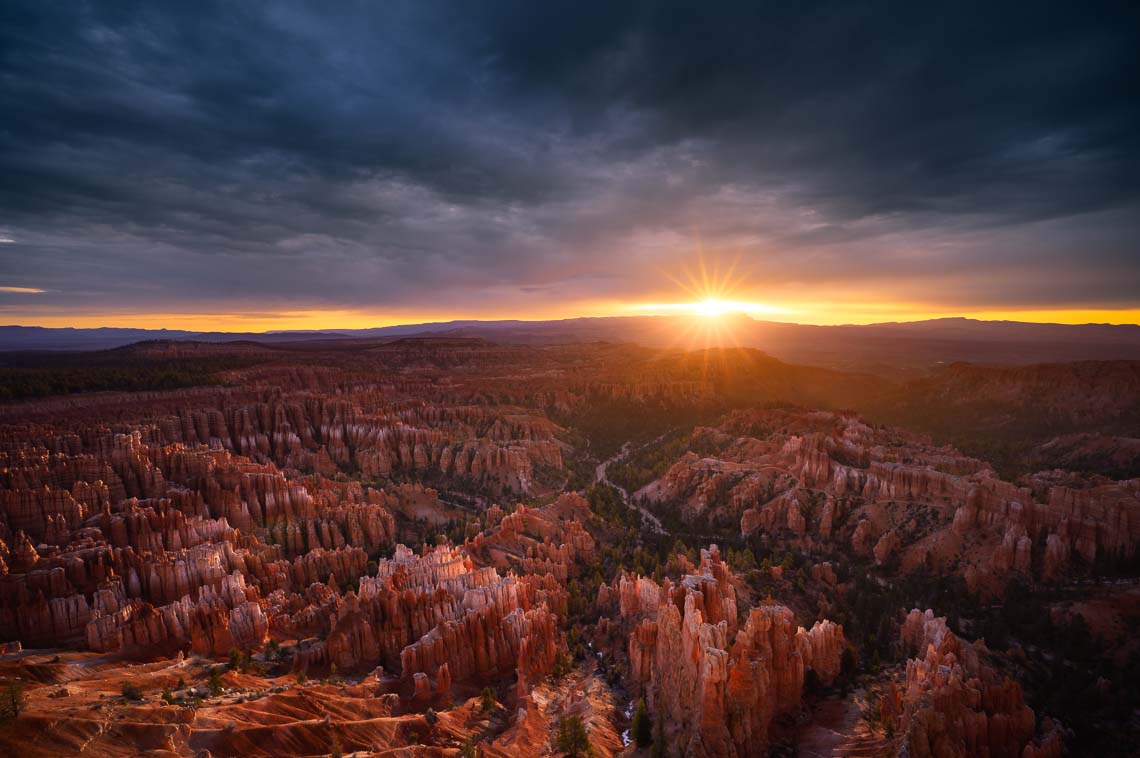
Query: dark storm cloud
364	154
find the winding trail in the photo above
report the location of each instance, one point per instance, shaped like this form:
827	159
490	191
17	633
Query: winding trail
600	478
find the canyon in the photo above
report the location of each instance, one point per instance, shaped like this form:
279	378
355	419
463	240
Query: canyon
415	545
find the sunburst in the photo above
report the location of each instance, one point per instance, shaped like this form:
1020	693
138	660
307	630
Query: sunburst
709	291
711	295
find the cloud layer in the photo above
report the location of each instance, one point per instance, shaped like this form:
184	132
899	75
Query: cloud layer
502	157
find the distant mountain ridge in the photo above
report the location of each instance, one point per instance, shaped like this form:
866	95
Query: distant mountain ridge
108	337
915	346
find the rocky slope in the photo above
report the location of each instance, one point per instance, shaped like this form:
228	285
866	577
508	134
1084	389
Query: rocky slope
951	703
831	478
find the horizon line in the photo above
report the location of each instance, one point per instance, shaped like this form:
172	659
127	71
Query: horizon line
475	321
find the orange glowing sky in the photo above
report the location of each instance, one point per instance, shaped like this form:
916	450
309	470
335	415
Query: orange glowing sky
701	289
821	313
701	286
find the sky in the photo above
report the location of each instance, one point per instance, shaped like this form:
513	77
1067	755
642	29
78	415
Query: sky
253	166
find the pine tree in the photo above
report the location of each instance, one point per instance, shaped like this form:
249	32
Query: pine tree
489	699
642	726
572	737
11	701
235	658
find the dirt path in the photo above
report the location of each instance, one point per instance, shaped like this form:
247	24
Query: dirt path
600	478
837	729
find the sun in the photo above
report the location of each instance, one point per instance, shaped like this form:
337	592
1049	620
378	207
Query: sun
708	294
713	307
710	307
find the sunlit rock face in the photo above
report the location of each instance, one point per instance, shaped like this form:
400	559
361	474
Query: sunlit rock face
268	514
122	517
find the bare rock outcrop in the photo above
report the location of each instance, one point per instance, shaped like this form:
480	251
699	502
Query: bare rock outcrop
721	687
952	703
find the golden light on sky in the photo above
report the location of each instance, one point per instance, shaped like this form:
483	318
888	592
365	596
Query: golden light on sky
22	290
707	309
711	306
710	290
